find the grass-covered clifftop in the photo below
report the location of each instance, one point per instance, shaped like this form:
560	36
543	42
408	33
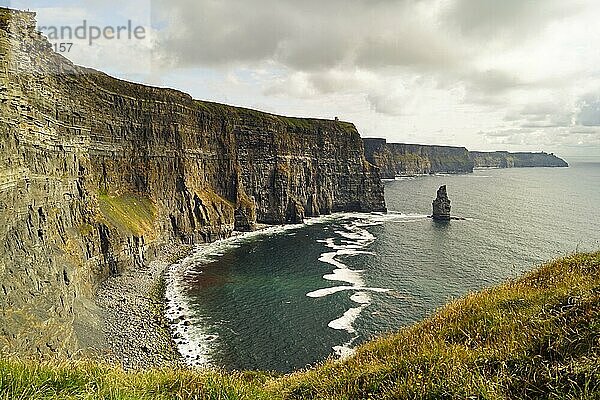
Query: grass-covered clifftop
535	337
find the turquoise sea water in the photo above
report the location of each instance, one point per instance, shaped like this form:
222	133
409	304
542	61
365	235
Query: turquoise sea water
289	297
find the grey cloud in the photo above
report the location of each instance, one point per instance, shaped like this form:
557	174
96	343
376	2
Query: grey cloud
386	104
586	131
506	19
542	115
492	81
306	36
211	32
405	50
549	137
500	134
589	110
316	48
585	113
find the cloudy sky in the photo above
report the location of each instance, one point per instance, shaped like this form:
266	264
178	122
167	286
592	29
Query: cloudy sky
486	74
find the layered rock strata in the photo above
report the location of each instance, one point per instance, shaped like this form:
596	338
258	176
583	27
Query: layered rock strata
96	174
400	159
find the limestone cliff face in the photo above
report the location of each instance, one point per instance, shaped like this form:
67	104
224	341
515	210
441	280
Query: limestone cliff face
399	159
97	173
504	159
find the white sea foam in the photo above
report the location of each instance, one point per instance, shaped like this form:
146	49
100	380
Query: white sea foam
344	351
336	289
346	275
351	240
193	336
361	297
195	339
345	322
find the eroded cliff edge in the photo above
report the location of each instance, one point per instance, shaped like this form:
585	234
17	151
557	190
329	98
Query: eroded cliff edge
97	173
401	159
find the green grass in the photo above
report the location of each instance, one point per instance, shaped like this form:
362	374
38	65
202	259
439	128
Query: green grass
130	213
291	123
87	380
537	337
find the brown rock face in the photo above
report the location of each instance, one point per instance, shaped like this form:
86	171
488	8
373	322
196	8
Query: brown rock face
441	205
401	159
97	173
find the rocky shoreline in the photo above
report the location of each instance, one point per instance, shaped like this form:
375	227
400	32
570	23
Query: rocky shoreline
137	334
132	305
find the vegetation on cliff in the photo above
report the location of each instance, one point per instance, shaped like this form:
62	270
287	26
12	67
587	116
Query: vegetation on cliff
534	337
133	214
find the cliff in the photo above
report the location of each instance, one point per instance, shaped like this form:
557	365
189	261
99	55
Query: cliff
96	174
504	159
399	159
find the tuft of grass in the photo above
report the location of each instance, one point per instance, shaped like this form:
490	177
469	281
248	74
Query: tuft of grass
537	337
133	214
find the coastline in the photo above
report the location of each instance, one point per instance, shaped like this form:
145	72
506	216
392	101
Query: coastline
132	305
137	332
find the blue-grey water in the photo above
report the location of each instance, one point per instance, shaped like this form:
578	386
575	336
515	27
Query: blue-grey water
289	297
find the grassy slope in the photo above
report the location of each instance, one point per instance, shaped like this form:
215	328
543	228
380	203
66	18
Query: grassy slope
132	214
537	337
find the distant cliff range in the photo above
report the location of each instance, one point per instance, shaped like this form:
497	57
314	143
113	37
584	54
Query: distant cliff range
504	159
401	159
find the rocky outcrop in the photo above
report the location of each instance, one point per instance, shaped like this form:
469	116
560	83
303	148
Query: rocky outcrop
504	159
441	205
96	174
399	159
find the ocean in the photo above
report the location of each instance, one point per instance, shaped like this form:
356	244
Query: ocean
288	297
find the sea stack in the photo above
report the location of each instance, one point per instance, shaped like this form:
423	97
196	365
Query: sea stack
441	205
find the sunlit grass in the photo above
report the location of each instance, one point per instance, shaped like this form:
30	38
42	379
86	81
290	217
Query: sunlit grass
133	214
535	337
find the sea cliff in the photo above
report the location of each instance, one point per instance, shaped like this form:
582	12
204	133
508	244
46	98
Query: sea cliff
504	159
97	174
400	159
